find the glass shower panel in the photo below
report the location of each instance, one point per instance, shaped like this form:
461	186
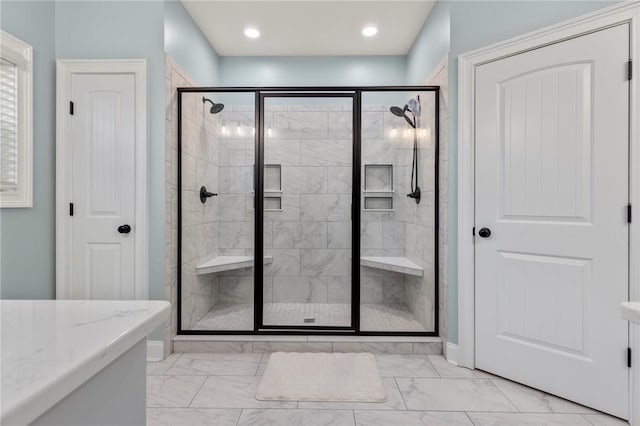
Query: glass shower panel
217	257
308	149
397	274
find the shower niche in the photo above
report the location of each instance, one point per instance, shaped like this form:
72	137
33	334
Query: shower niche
378	187
334	189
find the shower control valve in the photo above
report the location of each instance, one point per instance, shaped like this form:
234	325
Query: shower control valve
204	194
416	195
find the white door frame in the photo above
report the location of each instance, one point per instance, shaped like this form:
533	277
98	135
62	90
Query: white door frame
65	68
628	12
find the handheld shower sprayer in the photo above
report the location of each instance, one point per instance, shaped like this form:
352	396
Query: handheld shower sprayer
413	108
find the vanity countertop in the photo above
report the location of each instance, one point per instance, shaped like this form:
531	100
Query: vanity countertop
631	311
51	347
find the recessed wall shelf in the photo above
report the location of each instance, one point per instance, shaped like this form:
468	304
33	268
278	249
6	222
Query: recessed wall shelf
273	187
378	187
228	263
395	264
378	177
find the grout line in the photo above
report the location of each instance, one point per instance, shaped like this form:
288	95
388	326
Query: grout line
259	364
198	391
239	415
469	417
406	406
173	363
505	395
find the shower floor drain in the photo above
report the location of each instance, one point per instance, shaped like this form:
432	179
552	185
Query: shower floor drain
309	320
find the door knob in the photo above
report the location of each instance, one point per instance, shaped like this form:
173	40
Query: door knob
484	232
124	229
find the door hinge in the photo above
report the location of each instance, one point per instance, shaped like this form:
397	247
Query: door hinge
629	213
629	69
70	209
71	107
473	231
629	357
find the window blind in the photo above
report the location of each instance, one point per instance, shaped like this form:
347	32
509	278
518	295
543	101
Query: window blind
8	126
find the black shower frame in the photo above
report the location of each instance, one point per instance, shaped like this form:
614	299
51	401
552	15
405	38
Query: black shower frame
260	94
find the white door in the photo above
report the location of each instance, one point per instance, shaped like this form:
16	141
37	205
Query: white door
552	147
103	186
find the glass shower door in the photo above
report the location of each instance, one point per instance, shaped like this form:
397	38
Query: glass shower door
307	170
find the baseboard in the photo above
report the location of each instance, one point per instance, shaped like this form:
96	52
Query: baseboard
452	353
155	350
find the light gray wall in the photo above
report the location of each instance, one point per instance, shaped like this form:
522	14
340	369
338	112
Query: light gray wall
188	47
431	45
71	30
475	24
310	71
28	235
122	30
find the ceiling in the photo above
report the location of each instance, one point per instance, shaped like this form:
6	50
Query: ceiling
309	27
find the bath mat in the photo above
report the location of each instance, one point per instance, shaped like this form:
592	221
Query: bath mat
321	377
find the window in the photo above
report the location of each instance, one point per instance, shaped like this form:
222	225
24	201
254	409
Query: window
16	176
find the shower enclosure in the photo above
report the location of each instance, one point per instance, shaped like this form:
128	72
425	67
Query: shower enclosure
308	210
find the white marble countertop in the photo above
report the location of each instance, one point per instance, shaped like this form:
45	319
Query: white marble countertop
51	347
631	311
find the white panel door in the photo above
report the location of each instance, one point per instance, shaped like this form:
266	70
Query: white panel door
552	147
103	186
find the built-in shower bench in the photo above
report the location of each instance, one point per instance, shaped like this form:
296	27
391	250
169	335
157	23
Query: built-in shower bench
228	263
395	264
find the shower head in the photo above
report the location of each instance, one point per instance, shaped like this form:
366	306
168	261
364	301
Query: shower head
398	111
402	112
215	108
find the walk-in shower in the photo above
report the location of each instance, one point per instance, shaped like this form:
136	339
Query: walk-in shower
313	182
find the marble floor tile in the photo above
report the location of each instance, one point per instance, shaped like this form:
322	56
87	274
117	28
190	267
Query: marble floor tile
452	395
396	365
484	375
449	370
216	364
263	364
411	418
192	417
530	400
394	401
172	391
278	417
219	389
605	420
527	419
160	367
233	392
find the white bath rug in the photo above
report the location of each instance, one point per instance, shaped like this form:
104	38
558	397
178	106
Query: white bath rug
322	377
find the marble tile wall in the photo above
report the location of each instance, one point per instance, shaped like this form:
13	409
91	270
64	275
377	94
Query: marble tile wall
440	78
200	225
383	233
420	220
234	131
313	144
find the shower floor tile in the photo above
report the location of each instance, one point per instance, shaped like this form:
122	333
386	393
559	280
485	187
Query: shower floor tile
375	317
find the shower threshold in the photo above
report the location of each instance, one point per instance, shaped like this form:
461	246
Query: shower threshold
375	317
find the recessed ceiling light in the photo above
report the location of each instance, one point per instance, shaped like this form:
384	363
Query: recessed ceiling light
369	31
252	33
